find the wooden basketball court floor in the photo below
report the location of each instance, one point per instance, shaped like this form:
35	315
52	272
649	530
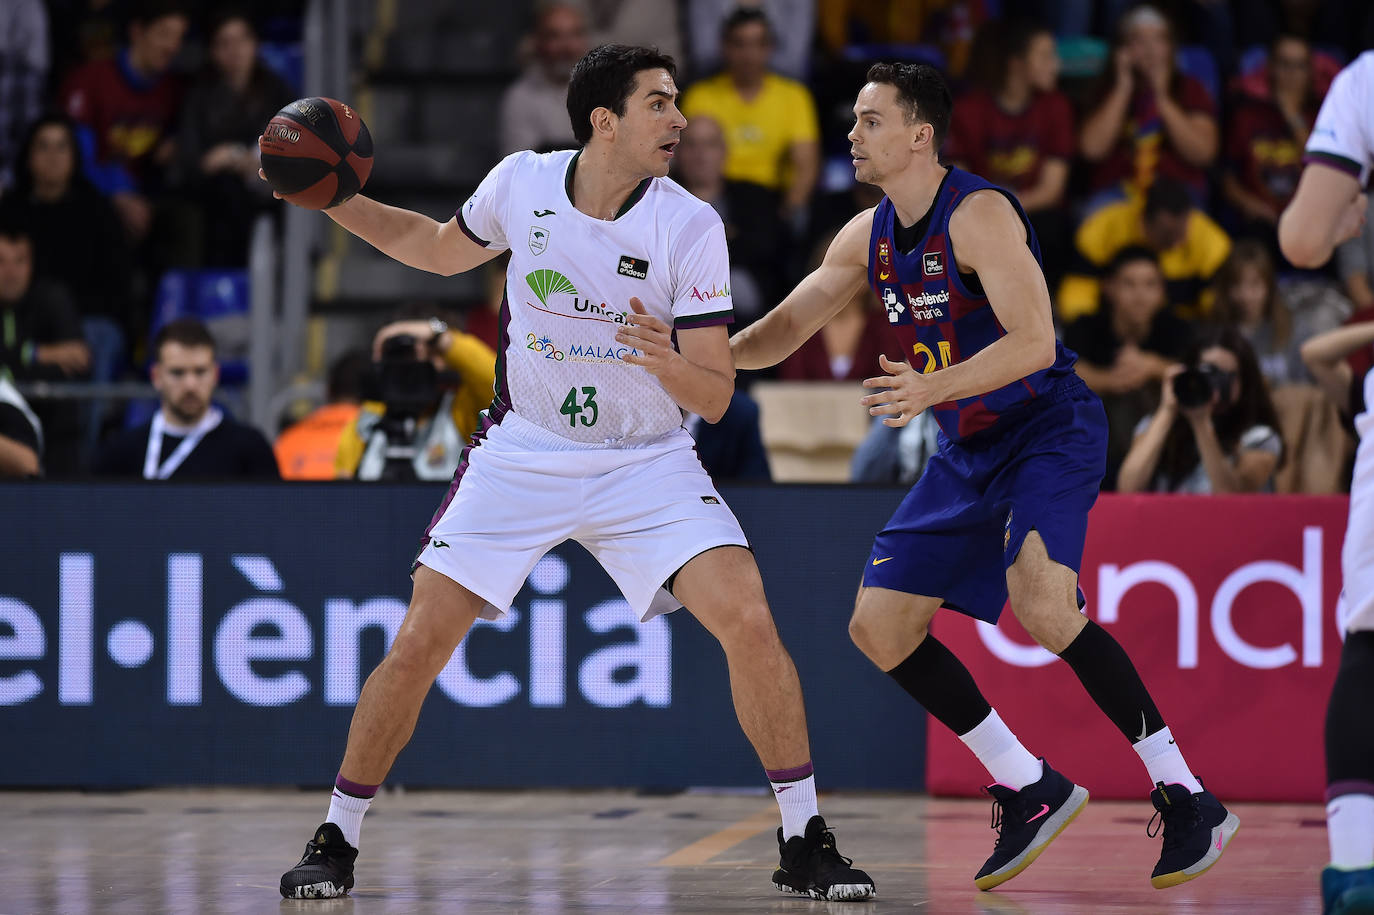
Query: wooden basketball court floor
223	850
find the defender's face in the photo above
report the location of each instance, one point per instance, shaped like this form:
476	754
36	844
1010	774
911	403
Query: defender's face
649	131
882	143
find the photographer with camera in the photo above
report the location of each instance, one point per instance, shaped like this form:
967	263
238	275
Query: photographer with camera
1215	430
422	402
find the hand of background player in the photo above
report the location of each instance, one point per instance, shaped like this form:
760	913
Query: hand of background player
650	336
908	393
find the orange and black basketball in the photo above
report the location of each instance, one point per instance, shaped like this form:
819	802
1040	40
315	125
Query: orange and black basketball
316	153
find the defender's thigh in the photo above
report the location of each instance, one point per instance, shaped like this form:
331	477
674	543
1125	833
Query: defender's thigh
888	625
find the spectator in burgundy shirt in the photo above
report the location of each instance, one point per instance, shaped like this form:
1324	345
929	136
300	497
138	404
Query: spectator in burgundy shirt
1016	129
125	108
1151	119
1266	136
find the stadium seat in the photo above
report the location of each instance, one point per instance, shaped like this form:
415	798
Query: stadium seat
220	299
810	428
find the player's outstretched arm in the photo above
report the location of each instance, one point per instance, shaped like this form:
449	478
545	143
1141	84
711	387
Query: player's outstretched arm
816	300
1326	209
412	238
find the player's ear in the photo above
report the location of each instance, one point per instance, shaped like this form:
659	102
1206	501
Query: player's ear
923	136
603	121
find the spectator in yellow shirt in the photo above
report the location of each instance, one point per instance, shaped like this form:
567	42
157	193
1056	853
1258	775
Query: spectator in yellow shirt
771	132
1190	246
441	431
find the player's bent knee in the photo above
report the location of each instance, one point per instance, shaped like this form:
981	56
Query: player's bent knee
749	626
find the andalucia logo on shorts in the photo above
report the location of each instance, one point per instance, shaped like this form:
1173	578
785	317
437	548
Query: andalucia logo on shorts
544	283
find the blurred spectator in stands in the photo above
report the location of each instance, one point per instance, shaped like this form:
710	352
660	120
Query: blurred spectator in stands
732	448
1248	299
224	112
23	76
646	23
21	434
77	241
754	232
1126	346
889	455
1226	440
1015	128
772	138
1150	120
440	411
534	110
1265	139
1355	264
1331	358
947	27
41	340
1190	246
188	437
309	449
125	109
794	23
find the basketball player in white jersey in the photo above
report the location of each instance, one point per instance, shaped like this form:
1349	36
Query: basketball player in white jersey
1328	208
610	261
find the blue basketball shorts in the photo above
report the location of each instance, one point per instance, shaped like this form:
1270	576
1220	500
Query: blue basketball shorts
963	524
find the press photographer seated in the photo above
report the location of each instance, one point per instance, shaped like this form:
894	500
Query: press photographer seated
422	402
1215	430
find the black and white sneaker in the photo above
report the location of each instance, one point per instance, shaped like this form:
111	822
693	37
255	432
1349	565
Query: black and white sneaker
1197	829
326	868
1027	821
811	865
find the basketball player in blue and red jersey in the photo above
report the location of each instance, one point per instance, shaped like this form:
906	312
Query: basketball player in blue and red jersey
1002	507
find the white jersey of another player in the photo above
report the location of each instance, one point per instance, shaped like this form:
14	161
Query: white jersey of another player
1343	136
568	290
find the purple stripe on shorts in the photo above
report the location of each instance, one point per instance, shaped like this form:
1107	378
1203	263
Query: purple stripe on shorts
790	775
354	789
484	425
1350	786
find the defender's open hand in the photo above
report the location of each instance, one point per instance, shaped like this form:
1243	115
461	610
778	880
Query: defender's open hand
908	393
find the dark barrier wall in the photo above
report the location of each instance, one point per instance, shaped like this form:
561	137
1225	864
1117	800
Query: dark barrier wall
166	634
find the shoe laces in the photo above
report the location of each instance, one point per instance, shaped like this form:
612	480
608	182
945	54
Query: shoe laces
826	851
999	812
1175	820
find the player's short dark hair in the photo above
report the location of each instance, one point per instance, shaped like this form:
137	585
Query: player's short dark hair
745	15
185	331
1126	256
605	77
922	93
1167	196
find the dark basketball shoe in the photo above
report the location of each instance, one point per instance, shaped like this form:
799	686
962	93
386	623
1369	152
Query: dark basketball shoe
811	865
1347	892
326	868
1197	830
1027	821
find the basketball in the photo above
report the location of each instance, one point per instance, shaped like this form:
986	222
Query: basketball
316	153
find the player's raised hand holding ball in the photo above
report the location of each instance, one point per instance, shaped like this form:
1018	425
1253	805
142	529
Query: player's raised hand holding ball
316	153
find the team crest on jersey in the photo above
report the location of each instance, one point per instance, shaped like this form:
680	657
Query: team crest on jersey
884	252
539	240
934	263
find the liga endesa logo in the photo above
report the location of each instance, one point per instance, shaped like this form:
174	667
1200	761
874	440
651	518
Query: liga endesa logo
266	652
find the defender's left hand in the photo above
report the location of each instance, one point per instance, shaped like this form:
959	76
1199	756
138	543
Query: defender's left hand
908	393
650	336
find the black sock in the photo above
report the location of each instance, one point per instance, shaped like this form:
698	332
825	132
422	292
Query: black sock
1106	672
1349	735
942	684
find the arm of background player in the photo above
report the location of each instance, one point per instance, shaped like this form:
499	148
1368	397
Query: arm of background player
1324	355
987	235
411	238
1326	209
816	300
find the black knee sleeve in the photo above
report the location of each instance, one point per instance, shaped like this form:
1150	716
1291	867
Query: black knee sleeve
1349	727
1106	672
942	684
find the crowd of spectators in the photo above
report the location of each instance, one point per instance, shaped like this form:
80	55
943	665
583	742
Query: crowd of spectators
1152	145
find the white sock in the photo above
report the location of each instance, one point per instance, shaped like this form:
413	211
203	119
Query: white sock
797	801
346	812
1164	762
999	751
1350	830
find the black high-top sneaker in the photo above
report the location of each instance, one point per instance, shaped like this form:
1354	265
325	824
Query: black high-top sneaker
326	868
1197	830
812	865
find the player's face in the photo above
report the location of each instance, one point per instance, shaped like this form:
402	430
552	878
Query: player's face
1042	62
234	49
747	50
1136	292
51	157
185	377
156	44
882	143
701	154
16	268
651	127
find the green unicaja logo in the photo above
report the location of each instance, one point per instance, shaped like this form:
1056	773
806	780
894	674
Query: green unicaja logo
544	283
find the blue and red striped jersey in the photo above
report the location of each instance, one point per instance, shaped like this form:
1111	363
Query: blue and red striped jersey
942	317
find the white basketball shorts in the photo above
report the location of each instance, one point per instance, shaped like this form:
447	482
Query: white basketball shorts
641	511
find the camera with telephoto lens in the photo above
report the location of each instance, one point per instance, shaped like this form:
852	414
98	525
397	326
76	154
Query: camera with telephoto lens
1195	385
407	384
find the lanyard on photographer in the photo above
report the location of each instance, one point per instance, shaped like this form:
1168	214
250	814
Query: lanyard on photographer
151	469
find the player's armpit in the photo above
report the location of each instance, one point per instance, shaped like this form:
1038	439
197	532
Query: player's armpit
817	299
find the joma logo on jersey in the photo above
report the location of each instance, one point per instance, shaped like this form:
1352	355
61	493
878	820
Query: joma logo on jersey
934	263
702	295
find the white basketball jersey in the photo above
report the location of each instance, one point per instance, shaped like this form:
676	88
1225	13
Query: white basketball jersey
1343	136
568	290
